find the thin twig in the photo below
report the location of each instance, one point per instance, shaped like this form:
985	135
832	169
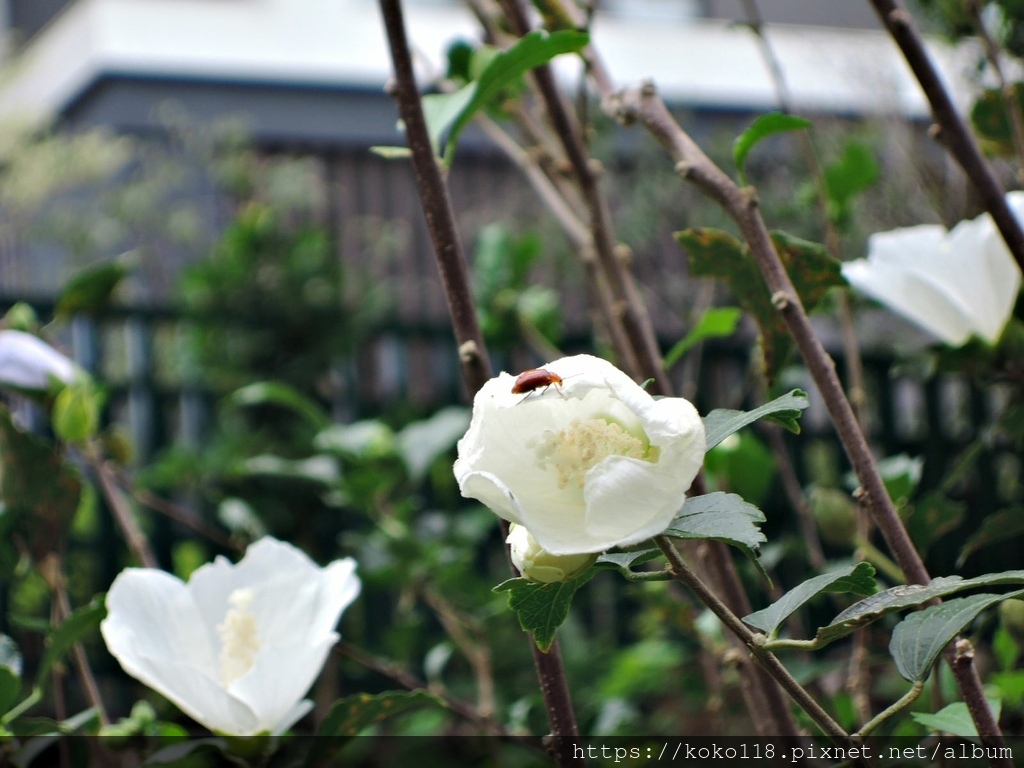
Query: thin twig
440	217
122	511
955	134
611	258
767	660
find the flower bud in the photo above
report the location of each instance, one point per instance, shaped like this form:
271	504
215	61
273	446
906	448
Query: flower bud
537	564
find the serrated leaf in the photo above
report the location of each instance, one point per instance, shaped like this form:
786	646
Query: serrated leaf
283	396
955	718
785	411
763	127
626	561
450	113
721	517
76	626
542	608
858	578
716	323
421	442
905	596
918	640
714	253
1003	525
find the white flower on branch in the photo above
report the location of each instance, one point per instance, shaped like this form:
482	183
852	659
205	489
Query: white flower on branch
954	284
238	646
537	564
587	464
28	362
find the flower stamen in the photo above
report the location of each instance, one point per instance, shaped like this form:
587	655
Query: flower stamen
574	451
239	639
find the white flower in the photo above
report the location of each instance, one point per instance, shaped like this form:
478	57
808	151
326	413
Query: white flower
537	564
587	465
954	284
237	647
28	362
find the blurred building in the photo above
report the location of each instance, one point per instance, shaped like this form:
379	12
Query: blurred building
313	70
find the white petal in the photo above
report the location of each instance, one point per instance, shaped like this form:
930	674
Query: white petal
155	631
628	501
280	678
915	299
30	363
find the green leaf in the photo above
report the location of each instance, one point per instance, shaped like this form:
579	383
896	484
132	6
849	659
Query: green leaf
1003	525
785	410
421	442
918	640
901	474
450	113
716	323
283	396
542	608
852	173
714	253
353	714
905	596
992	122
955	718
743	465
763	127
721	517
858	579
624	562
92	290
76	626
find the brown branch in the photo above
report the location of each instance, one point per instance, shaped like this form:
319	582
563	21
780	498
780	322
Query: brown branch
635	322
440	217
954	131
123	513
645	106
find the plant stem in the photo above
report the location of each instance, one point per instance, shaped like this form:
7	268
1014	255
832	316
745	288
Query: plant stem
440	217
754	644
904	701
954	131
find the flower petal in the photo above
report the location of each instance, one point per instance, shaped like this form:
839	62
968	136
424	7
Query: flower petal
155	631
280	678
907	294
29	362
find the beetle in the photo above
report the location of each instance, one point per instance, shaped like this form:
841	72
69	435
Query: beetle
535	378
